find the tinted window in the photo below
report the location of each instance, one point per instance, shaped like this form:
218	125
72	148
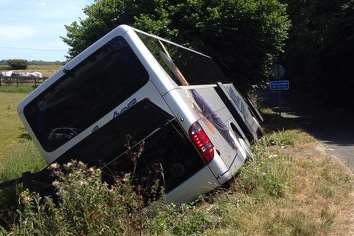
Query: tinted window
163	141
187	67
196	68
85	94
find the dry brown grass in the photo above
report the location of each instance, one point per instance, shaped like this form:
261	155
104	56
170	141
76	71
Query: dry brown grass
317	196
291	188
322	188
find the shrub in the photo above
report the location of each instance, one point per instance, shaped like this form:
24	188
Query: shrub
265	176
17	64
269	173
243	36
186	219
88	206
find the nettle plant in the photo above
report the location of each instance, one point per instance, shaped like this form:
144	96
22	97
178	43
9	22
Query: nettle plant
86	205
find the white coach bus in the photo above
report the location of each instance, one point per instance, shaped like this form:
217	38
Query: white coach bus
135	92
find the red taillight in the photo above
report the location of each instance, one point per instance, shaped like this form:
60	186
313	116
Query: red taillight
202	142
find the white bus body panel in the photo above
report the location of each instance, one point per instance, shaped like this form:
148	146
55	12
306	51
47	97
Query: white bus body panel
201	182
175	100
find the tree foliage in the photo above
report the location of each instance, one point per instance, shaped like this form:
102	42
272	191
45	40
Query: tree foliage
17	64
242	35
321	47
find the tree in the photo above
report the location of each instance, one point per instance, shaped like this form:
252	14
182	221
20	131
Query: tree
321	48
243	36
17	64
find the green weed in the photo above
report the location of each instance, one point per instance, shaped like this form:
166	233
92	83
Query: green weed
14	89
89	206
19	161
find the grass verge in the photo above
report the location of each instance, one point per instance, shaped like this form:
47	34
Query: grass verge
291	188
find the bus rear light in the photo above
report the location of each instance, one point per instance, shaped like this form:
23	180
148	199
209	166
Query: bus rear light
202	142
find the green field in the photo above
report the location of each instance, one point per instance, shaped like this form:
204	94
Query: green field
22	88
17	152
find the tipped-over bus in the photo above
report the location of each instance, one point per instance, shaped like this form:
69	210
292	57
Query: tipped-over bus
136	103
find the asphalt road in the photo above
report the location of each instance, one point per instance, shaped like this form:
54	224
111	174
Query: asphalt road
337	136
334	128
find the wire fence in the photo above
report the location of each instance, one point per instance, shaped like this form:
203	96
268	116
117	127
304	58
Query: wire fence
20	81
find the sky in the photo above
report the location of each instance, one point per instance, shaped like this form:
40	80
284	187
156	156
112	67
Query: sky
31	29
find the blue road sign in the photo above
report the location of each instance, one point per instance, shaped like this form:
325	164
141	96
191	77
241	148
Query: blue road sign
279	85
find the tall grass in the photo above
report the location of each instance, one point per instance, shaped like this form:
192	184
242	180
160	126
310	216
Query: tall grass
22	160
26	159
88	206
284	191
289	189
17	152
16	89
